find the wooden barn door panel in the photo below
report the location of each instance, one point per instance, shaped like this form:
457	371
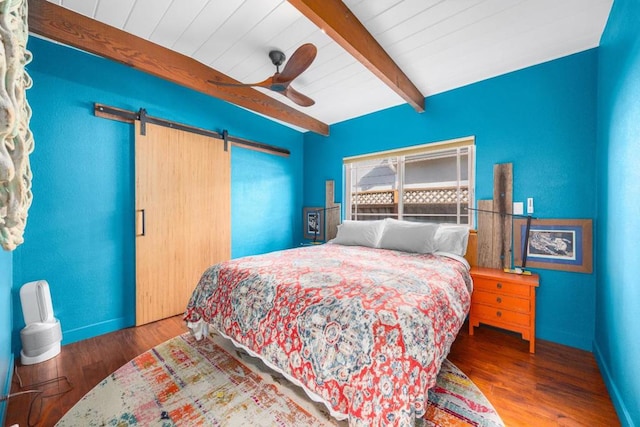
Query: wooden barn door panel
183	216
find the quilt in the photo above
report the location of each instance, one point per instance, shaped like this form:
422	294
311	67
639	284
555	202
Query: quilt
363	330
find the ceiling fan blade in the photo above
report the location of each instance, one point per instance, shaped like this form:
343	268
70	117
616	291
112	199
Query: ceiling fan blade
299	61
265	83
279	82
298	98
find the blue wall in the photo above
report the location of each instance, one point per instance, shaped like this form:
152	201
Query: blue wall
542	119
618	289
267	215
6	356
79	233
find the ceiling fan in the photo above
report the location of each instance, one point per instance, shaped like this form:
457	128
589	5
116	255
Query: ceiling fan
280	82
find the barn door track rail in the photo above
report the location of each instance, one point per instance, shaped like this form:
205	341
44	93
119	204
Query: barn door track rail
113	113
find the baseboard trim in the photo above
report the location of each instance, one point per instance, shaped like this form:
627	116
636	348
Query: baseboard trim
94	330
566	338
616	398
6	389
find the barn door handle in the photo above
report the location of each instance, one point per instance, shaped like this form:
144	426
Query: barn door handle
140	222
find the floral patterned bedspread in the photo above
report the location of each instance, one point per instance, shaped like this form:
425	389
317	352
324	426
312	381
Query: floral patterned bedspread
365	329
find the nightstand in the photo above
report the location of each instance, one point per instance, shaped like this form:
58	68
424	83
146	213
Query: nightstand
504	300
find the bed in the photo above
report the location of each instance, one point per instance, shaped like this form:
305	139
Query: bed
362	323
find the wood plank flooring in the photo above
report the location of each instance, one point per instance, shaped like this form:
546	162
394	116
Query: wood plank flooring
556	386
85	364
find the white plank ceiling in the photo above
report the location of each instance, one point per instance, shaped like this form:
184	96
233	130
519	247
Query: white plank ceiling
439	44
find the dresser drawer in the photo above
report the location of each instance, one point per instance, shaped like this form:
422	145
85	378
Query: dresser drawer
505	302
493	315
500	286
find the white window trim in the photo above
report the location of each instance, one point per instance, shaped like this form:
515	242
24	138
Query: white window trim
415	149
401	153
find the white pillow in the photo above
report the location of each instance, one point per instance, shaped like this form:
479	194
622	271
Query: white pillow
408	236
452	239
359	233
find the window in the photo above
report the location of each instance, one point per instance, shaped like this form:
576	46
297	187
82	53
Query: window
428	183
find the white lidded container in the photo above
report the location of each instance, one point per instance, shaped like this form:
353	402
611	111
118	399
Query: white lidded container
42	334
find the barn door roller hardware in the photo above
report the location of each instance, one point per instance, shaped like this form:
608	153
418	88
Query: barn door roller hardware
113	113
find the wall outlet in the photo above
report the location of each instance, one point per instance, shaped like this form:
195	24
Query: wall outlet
530	205
518	208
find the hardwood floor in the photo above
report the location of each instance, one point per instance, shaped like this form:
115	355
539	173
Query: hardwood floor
85	364
556	386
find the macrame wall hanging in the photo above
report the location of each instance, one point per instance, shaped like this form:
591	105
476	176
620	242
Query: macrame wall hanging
16	140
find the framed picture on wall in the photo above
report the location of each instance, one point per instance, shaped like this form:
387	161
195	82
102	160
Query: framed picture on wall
313	223
557	244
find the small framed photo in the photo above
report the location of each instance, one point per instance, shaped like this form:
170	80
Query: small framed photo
313	222
557	244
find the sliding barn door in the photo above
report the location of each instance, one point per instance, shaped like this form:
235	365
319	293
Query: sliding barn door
183	215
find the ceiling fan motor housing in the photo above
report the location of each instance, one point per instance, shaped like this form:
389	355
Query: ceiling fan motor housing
277	57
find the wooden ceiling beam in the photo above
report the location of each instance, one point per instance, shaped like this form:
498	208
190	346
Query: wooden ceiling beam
65	26
339	23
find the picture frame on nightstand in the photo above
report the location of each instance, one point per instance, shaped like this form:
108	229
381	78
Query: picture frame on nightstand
313	223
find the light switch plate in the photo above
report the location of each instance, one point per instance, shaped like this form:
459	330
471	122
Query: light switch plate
530	205
518	208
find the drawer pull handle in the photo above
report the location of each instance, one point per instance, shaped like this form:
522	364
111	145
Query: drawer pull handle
498	300
499	285
499	314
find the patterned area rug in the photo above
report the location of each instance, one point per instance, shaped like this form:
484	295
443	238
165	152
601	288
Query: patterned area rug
184	382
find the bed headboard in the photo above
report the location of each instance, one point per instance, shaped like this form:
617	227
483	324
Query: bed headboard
472	249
